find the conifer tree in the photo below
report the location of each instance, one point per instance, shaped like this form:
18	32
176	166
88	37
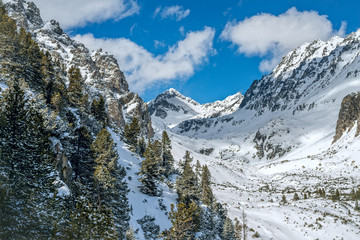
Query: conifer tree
198	169
184	221
167	158
131	134
99	111
142	147
111	189
9	46
187	185
76	96
296	197
25	165
149	172
228	230
207	196
81	159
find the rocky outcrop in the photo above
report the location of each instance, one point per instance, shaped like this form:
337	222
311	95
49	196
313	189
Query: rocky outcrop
63	165
349	115
100	71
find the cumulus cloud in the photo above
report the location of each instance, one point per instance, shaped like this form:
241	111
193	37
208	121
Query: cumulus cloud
81	12
144	70
175	12
271	36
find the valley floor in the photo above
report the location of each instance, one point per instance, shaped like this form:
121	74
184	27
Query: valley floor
260	188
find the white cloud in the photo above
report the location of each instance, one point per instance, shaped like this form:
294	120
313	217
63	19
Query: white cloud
176	12
81	12
159	44
271	36
144	70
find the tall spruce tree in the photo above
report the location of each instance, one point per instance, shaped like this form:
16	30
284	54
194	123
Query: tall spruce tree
187	184
167	158
75	89
99	111
207	196
150	172
111	189
131	134
25	166
81	158
184	221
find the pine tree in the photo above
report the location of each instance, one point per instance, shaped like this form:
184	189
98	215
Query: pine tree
296	197
228	230
131	134
99	111
187	185
111	189
167	158
150	172
207	196
238	229
357	208
25	166
198	169
76	96
9	46
142	147
81	158
184	221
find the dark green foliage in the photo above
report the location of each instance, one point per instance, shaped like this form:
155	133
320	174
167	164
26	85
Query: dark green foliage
283	199
296	197
9	46
184	221
131	134
228	230
88	221
142	147
357	208
81	158
75	89
238	229
150	229
99	111
207	196
321	192
111	189
167	158
150	171
336	196
25	166
256	235
186	185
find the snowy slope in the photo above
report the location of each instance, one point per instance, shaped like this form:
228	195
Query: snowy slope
280	142
140	203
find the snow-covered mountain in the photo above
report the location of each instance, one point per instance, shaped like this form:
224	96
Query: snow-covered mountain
100	71
172	108
287	137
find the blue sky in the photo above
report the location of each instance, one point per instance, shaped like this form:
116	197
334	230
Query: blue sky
205	49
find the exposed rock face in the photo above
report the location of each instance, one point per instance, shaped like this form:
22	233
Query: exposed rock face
307	67
349	115
100	71
173	101
63	166
172	108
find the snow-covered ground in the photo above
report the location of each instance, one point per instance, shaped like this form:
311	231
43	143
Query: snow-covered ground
141	204
280	142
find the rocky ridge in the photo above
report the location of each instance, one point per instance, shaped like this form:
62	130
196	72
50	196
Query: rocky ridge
173	107
100	71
